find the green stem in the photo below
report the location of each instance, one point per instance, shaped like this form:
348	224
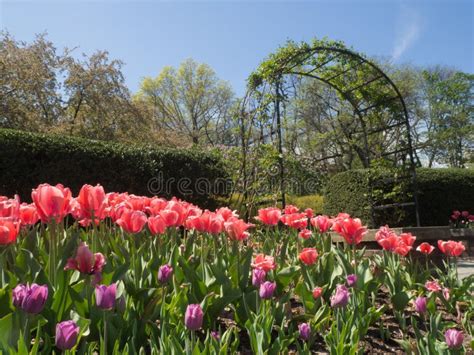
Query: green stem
105	332
27	331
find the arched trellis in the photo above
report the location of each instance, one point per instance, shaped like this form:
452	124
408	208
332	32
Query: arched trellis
364	86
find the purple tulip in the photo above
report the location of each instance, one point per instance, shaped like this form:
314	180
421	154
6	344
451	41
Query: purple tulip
105	296
31	299
164	273
420	305
454	338
258	277
193	317
305	331
351	280
341	297
18	295
267	289
66	334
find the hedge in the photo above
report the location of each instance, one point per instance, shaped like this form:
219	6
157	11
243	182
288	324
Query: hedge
440	191
28	159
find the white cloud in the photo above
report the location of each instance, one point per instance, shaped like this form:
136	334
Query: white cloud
408	32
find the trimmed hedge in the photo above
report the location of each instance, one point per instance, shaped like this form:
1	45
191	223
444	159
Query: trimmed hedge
28	159
440	191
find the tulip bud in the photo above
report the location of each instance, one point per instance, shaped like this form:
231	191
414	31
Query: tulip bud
267	289
454	338
105	296
351	280
66	335
258	277
216	335
164	273
317	291
305	331
420	305
193	317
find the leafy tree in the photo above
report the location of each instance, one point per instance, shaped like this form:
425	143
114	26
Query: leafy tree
449	127
190	100
43	90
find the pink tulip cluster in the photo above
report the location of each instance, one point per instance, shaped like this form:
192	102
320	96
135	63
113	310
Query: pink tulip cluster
390	241
132	213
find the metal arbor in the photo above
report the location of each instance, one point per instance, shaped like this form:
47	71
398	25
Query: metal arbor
378	108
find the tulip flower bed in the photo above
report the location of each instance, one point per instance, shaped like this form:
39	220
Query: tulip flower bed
118	273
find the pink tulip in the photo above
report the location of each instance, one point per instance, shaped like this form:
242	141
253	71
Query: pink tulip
156	225
236	229
322	223
105	296
269	216
10	208
454	338
351	229
305	234
92	202
28	214
227	213
341	297
8	231
264	262
290	209
52	202
267	289
451	248
295	220
433	286
132	221
85	261
308	256
425	248
193	317
258	277
317	292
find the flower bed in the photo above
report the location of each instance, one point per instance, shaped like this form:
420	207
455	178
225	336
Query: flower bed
123	273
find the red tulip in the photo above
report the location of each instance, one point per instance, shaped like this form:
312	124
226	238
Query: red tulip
351	229
236	229
390	241
52	202
308	256
264	262
269	216
85	261
451	248
8	231
322	223
132	221
157	225
425	248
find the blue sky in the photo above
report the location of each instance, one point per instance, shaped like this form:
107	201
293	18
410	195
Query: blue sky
233	37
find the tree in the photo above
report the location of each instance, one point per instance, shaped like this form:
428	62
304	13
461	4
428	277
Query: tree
190	99
449	129
43	90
